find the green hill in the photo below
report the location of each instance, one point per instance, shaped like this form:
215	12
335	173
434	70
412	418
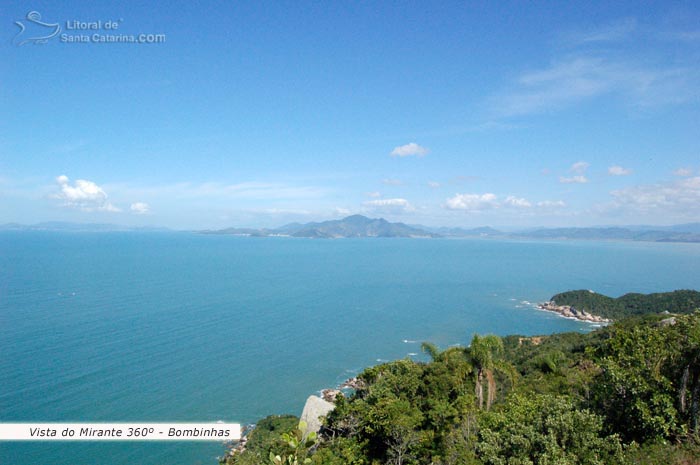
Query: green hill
680	301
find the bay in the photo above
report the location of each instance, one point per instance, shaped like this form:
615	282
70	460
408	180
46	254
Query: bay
109	327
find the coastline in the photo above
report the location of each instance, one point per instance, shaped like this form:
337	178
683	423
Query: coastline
568	311
328	395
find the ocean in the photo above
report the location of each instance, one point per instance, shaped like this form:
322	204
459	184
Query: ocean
183	327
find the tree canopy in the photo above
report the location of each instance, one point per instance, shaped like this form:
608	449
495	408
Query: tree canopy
628	393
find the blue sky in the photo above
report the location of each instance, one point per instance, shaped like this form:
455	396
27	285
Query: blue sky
511	114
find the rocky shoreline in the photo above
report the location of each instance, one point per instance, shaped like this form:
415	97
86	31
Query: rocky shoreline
571	312
314	408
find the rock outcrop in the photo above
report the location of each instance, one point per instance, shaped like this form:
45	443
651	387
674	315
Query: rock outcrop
571	312
330	395
352	383
314	409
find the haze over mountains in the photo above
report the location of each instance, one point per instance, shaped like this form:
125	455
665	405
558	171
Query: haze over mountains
361	226
351	226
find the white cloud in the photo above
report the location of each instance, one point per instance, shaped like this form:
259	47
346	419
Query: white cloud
250	190
140	208
578	179
462	179
472	202
433	184
690	36
487	201
551	204
681	197
69	147
340	211
512	201
392	182
618	171
285	211
374	195
389	205
410	149
585	76
609	33
553	87
83	195
684	172
579	167
383	202
255	190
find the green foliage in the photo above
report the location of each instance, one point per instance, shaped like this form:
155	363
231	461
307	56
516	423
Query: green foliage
545	429
387	415
685	336
634	390
459	446
341	451
680	301
484	353
264	439
556	364
621	394
667	454
297	443
430	349
407	407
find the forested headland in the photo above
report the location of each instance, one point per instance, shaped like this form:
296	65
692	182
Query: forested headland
680	301
627	393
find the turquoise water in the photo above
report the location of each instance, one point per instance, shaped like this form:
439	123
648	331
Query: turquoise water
108	327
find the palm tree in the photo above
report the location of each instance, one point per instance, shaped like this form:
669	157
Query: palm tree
432	350
483	353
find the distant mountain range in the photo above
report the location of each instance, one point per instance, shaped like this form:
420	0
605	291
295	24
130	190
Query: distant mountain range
76	227
666	235
352	226
484	231
361	226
